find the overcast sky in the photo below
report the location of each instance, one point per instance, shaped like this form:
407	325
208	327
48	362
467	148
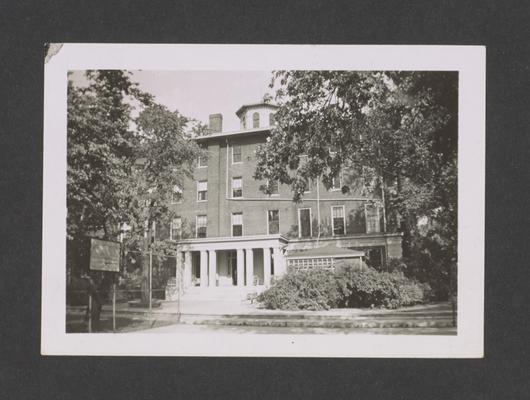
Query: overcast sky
197	94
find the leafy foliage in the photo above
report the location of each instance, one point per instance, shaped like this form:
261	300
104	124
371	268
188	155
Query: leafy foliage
318	289
396	132
302	290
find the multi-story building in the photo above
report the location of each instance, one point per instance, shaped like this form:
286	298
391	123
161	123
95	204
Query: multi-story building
230	232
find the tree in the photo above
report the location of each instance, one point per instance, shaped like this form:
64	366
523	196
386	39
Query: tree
126	156
101	150
397	130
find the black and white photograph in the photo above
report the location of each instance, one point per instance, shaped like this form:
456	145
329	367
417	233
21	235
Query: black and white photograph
301	201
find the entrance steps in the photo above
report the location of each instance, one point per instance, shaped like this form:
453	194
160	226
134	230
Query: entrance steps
221	293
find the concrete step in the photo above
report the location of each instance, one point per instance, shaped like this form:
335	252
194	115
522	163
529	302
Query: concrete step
310	322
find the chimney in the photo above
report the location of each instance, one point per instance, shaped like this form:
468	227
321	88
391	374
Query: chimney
216	123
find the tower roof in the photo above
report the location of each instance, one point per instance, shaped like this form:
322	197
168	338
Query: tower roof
244	107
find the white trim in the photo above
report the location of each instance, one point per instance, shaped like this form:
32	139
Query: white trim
241	187
171	227
207	159
310	222
197	225
232	224
274	194
343	219
327	256
366	219
340	184
235	133
197	198
237	162
268	221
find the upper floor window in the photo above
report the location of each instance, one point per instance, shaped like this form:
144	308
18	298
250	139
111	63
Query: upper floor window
236	154
371	214
237	224
272	119
255	120
176	229
273	186
202	190
336	182
338	220
273	222
237	187
176	195
203	159
201	225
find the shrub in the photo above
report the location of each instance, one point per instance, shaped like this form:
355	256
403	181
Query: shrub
370	288
318	289
303	290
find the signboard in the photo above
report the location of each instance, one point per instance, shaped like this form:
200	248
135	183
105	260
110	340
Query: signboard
104	255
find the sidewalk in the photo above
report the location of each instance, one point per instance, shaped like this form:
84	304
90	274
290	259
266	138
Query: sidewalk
245	314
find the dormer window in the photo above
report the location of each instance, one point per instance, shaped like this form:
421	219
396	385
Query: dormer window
255	120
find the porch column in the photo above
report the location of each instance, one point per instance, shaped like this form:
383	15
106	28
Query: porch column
204	268
240	267
250	266
266	266
187	269
279	261
212	268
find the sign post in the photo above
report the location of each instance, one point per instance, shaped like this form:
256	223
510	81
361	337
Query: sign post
113	306
104	256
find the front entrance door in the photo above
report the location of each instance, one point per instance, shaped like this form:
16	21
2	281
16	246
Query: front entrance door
304	217
232	266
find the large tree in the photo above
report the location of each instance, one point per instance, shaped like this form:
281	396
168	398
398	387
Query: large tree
126	157
398	130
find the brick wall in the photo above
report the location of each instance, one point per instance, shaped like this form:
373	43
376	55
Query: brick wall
255	203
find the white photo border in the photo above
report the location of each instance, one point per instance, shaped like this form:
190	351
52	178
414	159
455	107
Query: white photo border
469	61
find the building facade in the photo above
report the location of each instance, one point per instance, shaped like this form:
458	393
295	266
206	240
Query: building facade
229	232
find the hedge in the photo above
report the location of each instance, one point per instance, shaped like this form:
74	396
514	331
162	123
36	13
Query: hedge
318	289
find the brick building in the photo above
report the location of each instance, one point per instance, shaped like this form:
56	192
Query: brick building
230	233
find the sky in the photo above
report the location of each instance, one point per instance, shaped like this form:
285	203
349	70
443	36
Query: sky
197	94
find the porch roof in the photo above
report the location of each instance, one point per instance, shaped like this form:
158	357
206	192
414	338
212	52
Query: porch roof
327	251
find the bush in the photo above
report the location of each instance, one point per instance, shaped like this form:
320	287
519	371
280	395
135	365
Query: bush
348	287
370	288
303	290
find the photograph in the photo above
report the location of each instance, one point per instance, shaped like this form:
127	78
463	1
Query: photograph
307	202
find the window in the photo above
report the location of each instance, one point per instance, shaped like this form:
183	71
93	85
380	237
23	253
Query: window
338	220
202	190
176	229
308	185
255	120
176	195
336	182
371	213
237	224
236	153
304	222
273	222
237	187
273	186
272	119
203	160
202	223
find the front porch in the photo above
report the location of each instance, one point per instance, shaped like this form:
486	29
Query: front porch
249	261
